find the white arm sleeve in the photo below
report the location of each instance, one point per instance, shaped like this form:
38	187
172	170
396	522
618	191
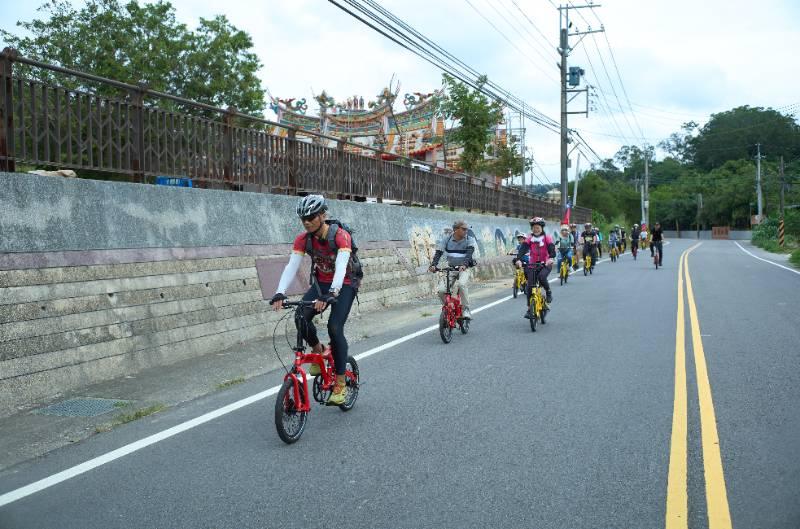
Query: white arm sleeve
289	272
342	258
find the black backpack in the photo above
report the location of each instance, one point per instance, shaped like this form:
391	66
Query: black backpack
356	273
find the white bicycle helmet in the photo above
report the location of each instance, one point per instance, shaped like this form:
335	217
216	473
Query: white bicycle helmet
311	205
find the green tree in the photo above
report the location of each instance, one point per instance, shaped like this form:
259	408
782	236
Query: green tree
508	161
678	144
134	43
733	135
476	114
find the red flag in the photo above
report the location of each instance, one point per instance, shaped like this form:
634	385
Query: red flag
567	214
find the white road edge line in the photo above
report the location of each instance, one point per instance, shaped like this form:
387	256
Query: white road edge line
93	463
765	260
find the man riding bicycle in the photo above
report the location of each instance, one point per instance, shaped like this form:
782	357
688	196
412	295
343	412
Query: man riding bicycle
542	250
564	244
622	239
657	240
613	242
331	284
589	241
635	234
458	248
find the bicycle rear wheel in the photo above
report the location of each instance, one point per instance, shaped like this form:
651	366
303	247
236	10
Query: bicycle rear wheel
289	422
352	379
445	331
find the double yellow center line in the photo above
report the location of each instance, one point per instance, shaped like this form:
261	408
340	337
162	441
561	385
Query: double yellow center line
716	495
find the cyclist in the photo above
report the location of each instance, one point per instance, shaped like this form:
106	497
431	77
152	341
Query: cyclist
643	236
330	281
612	240
657	239
623	239
515	251
636	233
573	231
599	241
458	248
589	241
565	243
541	248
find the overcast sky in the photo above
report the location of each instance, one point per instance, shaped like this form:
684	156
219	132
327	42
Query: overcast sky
678	59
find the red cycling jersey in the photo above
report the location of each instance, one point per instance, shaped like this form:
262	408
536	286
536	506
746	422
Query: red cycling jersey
324	256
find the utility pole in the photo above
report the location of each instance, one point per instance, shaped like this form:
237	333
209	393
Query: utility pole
780	223
646	188
523	147
783	185
577	177
699	207
641	189
571	76
758	182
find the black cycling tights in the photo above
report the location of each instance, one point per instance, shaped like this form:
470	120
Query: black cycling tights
338	317
543	273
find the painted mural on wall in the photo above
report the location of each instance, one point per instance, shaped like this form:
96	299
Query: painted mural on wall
492	241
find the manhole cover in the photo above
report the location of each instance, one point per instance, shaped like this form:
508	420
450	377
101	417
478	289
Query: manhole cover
83	407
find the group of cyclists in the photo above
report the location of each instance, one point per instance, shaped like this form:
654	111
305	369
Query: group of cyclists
332	261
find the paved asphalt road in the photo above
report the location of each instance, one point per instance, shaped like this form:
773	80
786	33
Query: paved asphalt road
568	427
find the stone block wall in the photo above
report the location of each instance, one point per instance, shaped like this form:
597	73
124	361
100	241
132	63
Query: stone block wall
102	279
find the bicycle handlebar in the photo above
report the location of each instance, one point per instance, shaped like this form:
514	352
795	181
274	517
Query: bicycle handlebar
289	304
449	268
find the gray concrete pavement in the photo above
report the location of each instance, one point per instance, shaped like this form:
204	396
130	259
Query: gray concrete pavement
566	427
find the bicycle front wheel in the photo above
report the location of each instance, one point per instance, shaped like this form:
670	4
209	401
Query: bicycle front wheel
445	331
352	379
289	421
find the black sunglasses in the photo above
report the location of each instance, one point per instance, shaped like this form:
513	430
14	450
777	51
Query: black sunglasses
308	218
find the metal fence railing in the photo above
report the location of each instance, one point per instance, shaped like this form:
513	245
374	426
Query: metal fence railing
142	134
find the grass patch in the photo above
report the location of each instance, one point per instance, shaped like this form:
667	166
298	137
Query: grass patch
103	428
138	414
771	246
426	314
228	383
121	404
795	258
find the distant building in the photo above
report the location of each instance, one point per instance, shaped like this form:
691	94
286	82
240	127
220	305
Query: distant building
417	132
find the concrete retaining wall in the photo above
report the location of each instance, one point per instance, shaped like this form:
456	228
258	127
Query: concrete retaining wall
102	279
705	235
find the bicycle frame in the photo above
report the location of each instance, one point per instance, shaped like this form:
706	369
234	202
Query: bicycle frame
452	304
519	277
536	300
297	374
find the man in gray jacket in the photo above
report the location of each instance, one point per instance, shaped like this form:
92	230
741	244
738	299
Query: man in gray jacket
458	248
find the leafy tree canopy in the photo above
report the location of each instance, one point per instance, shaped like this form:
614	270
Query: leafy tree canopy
133	43
477	114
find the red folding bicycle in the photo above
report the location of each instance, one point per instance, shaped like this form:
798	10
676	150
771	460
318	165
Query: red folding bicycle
452	314
293	402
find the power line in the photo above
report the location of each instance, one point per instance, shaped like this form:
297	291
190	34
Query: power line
530	22
613	89
462	72
514	26
509	40
624	91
